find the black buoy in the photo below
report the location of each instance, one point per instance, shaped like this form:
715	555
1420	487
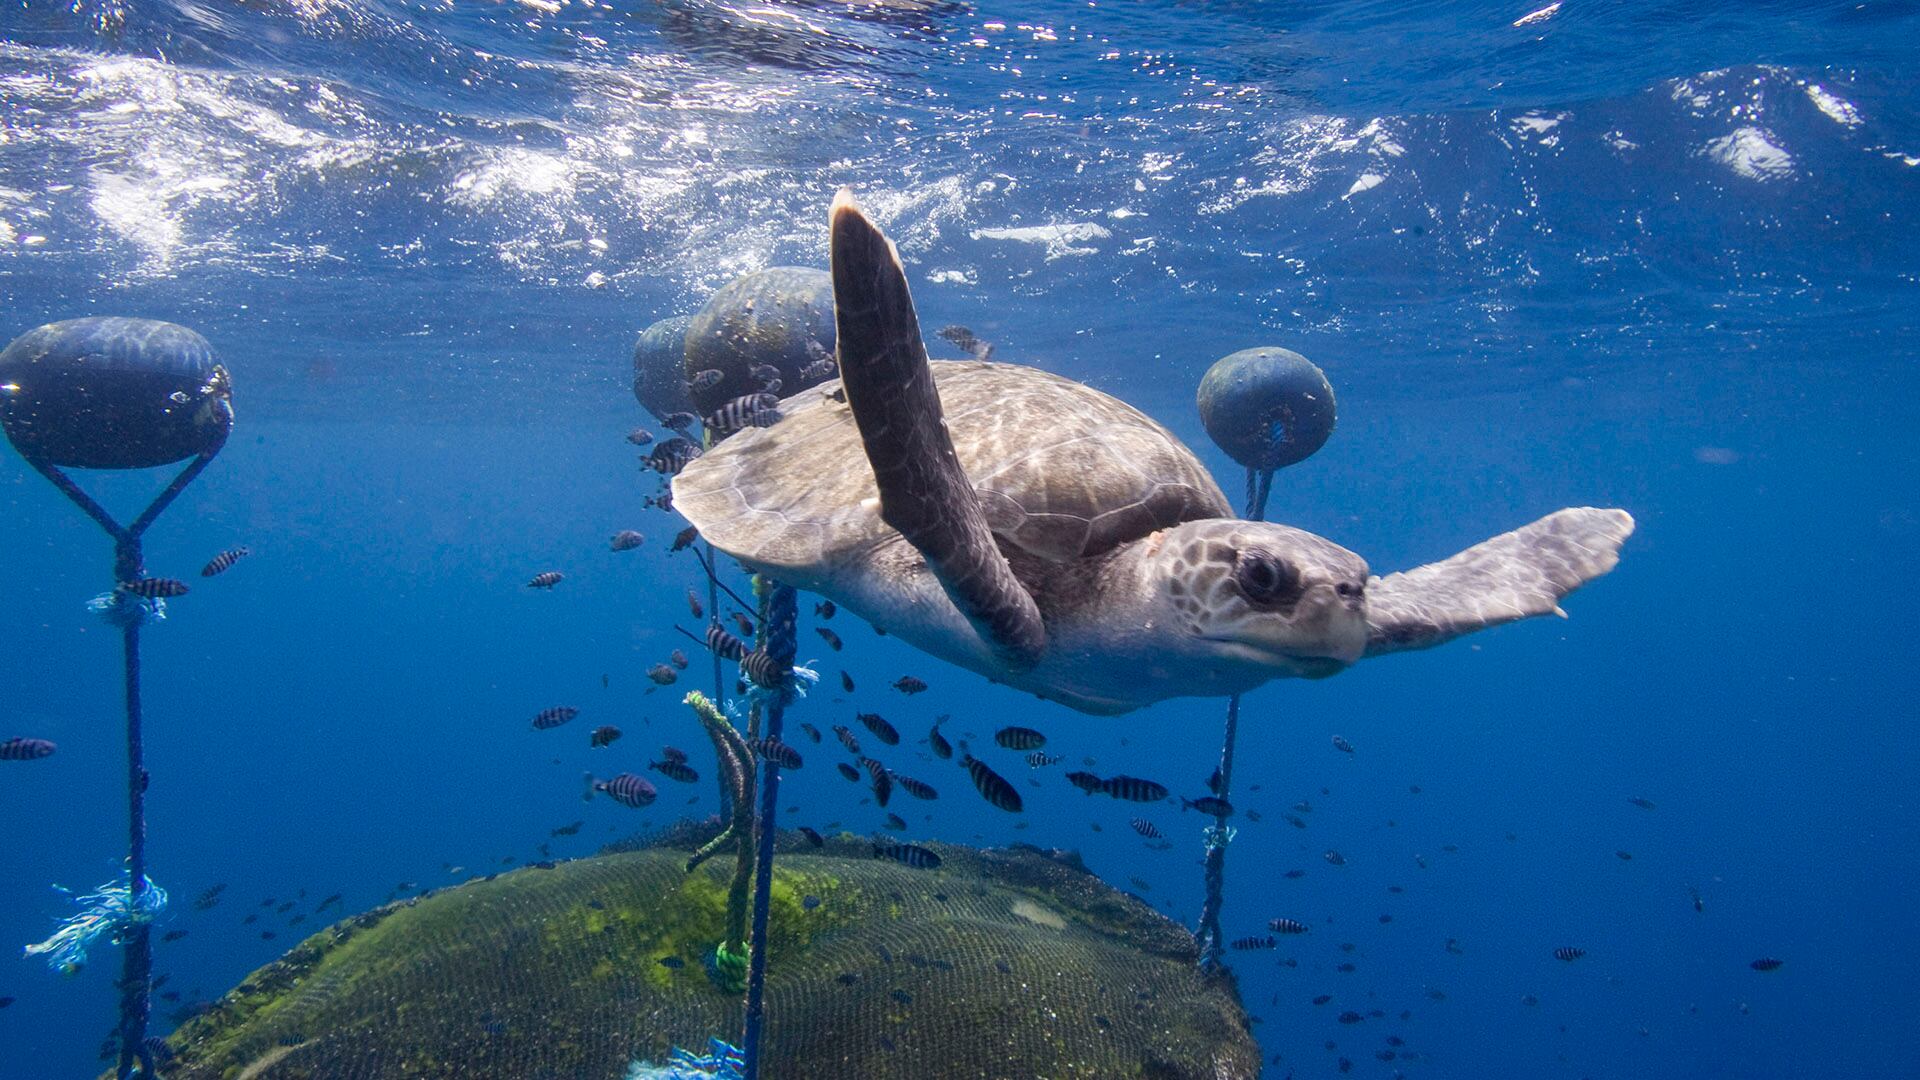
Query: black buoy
112	393
781	317
116	393
1267	407
660	367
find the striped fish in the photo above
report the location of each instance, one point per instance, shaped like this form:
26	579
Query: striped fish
681	422
677	659
751	410
1341	744
675	770
941	747
1286	926
24	749
1145	828
153	588
964	339
694	605
626	788
992	786
670	456
882	780
725	645
877	724
852	774
546	580
812	732
832	639
845	735
705	379
896	823
626	540
602	736
919	789
1568	953
672	753
1019	738
1040	759
1086	781
824	609
909	685
554	717
777	752
1208	804
846	682
1767	963
908	854
1248	943
1132	789
219	563
764	670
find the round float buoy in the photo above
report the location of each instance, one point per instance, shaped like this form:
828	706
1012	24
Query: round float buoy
1267	407
659	367
113	393
781	317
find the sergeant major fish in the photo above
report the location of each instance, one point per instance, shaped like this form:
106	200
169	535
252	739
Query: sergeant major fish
219	563
554	717
626	788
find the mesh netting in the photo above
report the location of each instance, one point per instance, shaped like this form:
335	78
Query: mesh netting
1005	963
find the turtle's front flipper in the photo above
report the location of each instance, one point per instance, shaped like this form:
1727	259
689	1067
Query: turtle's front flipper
1512	576
924	493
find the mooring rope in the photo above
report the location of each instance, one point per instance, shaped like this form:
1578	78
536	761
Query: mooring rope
1212	940
136	980
777	616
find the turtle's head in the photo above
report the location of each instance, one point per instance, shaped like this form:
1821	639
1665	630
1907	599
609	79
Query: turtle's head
1265	595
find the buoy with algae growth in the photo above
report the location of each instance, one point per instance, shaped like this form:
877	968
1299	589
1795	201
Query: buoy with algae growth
1267	407
660	367
113	393
780	317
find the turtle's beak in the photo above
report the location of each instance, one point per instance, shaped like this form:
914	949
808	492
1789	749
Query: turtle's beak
1324	635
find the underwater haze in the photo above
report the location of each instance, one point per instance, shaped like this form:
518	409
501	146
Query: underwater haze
1649	255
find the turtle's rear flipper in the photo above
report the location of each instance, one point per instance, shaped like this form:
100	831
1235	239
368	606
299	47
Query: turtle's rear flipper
924	493
1512	576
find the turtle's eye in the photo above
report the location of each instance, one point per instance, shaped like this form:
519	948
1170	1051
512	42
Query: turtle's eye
1265	578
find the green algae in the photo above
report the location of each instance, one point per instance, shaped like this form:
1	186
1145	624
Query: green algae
557	972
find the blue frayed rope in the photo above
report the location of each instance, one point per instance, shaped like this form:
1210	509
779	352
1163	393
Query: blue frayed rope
722	1061
123	609
794	688
105	913
1218	836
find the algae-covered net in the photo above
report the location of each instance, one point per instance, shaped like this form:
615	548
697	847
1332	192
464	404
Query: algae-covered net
1001	963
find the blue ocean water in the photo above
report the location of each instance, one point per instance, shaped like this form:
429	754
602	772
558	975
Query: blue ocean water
1651	255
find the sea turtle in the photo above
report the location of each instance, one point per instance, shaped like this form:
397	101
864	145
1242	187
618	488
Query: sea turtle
1053	538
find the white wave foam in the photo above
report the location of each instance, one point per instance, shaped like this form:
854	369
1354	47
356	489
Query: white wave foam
1749	153
1540	16
1839	110
1059	239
